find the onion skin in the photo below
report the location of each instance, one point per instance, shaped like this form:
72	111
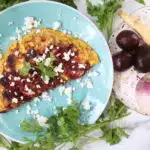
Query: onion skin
143	94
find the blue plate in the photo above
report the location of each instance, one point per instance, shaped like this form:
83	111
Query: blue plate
78	24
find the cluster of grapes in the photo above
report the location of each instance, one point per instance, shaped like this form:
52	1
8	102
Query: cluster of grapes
134	53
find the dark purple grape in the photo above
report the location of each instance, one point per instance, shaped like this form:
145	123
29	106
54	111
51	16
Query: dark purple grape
127	40
122	61
142	59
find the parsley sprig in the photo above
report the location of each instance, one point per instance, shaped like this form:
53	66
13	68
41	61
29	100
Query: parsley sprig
65	127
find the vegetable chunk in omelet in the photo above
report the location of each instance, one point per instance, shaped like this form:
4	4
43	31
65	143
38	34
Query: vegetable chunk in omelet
41	61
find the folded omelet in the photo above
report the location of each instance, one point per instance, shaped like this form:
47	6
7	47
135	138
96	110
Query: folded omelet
39	61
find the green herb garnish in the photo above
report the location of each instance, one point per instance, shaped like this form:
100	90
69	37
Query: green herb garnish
64	127
104	13
49	69
141	1
25	70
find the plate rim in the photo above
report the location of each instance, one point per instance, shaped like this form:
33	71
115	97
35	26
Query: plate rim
93	25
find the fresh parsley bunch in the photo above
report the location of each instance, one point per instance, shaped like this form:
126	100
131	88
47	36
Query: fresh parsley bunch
65	127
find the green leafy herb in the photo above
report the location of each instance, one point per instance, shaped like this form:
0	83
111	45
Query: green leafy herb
104	13
67	2
141	1
31	126
7	3
25	70
49	69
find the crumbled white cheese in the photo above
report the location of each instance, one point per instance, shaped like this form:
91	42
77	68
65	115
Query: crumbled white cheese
10	77
46	80
38	31
89	84
36	100
61	80
73	61
73	67
16	53
51	47
67	55
21	97
61	90
30	23
38	86
57	47
29	90
34	73
69	101
15	100
28	111
82	66
86	105
93	74
28	80
59	69
17	78
15	93
1	56
42	120
17	111
82	84
46	50
64	31
68	92
57	25
13	38
12	84
10	23
47	62
1	76
45	95
72	54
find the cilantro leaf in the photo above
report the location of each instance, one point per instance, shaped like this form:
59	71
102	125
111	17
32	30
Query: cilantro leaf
31	126
49	69
104	13
141	1
25	70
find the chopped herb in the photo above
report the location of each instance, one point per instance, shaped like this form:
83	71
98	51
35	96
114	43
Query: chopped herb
64	127
104	13
47	70
25	70
31	126
141	1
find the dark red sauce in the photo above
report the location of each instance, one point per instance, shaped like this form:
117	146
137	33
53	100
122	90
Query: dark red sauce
24	88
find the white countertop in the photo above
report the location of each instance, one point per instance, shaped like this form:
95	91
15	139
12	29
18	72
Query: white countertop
137	124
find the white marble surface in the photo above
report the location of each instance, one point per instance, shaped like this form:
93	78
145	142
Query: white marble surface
138	125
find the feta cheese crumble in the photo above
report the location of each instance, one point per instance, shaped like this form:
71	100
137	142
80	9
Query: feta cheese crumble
29	90
31	22
67	55
1	56
12	84
86	105
57	25
42	120
59	69
1	76
82	66
15	100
